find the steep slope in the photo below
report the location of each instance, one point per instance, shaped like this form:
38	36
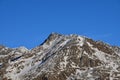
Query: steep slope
61	57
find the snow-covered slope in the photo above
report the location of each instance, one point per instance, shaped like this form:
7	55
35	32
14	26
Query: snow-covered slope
61	57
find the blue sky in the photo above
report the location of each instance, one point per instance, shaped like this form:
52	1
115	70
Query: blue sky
29	22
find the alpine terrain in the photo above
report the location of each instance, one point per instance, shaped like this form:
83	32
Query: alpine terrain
61	57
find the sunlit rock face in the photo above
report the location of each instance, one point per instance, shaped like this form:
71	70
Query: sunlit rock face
61	57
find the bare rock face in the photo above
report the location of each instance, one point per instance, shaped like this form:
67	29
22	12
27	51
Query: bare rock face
61	57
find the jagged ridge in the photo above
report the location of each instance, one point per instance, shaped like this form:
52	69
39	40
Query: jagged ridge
61	57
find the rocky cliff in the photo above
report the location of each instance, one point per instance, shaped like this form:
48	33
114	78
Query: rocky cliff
61	57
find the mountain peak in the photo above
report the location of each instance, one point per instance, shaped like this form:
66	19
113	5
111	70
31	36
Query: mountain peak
62	57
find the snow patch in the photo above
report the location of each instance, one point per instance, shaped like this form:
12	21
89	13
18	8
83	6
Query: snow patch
23	49
100	55
64	63
80	40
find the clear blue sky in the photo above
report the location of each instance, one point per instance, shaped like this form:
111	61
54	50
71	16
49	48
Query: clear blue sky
29	22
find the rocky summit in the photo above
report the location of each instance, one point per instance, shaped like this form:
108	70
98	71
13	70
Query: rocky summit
61	57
